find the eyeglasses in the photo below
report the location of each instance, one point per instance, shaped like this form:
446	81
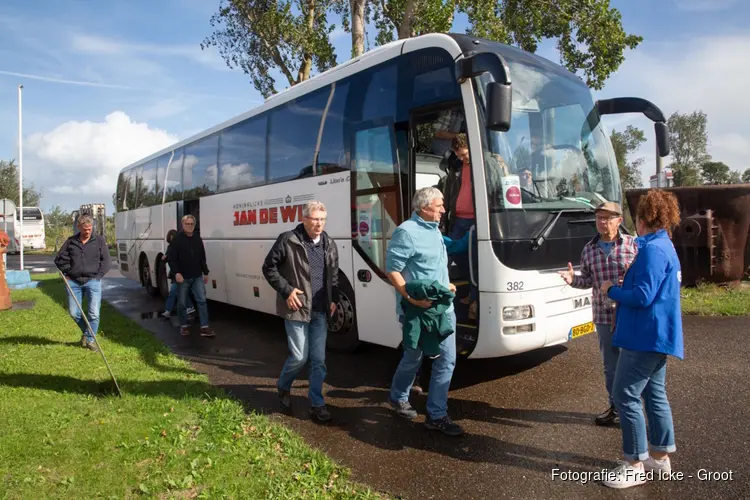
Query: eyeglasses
188	223
321	220
606	218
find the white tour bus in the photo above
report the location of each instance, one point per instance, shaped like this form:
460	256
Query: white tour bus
361	138
34	236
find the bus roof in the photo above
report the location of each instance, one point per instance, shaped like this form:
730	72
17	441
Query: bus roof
456	43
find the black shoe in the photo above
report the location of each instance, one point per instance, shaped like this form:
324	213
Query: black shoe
403	410
444	425
320	413
285	399
609	417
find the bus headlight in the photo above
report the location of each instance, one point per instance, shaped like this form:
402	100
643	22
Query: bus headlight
512	330
514	313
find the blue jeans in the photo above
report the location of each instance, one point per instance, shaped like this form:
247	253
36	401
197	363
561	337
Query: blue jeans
609	356
643	374
198	289
92	290
306	341
440	380
459	228
172	298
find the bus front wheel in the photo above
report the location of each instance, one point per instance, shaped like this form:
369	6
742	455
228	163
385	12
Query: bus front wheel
342	326
146	277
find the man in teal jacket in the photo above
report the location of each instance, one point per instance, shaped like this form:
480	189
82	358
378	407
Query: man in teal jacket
417	252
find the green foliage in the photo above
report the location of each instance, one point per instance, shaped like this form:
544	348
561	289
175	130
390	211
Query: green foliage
746	175
625	144
64	434
715	172
290	36
9	186
260	37
689	143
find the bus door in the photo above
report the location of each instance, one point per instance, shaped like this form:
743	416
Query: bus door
434	163
377	186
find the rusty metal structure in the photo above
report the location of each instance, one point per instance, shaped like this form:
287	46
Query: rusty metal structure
712	238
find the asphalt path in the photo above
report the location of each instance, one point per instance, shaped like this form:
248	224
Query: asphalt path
525	416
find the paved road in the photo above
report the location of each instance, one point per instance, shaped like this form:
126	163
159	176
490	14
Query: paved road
34	263
524	416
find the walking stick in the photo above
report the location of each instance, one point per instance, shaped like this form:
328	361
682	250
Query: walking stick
91	331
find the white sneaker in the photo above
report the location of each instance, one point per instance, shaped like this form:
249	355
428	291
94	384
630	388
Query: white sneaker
625	476
659	465
190	310
166	314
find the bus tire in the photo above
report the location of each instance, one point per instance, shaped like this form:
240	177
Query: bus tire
162	279
145	272
342	326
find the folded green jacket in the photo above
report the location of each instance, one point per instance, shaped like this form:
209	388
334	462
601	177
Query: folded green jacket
426	328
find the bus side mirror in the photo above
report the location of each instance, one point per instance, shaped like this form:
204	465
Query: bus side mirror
499	104
662	138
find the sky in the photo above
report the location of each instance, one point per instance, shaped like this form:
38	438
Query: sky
108	83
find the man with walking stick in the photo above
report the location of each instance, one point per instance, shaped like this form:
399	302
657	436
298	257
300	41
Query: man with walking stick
84	260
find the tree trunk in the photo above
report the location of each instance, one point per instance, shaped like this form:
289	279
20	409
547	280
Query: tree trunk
358	27
404	28
307	58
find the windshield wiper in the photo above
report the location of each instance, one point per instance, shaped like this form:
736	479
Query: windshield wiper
539	241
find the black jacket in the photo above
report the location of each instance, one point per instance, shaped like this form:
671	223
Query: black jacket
81	262
187	256
286	267
451	185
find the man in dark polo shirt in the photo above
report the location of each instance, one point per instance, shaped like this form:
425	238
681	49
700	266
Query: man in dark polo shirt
84	260
302	266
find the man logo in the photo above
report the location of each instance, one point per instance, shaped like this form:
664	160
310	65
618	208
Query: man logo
583	302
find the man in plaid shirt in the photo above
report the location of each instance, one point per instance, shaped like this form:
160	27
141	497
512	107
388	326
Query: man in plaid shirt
605	258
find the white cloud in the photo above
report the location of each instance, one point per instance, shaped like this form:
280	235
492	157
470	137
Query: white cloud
683	76
85	157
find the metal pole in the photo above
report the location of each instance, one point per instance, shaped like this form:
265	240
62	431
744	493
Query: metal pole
658	167
20	170
91	331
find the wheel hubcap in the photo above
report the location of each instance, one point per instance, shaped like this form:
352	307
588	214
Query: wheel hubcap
343	318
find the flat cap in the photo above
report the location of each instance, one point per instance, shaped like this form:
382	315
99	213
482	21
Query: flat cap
610	206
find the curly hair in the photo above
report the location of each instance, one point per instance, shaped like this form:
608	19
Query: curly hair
658	209
460	141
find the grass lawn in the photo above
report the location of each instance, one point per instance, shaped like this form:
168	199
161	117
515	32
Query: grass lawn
64	433
713	300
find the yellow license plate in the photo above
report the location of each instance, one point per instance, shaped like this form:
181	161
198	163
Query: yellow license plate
581	330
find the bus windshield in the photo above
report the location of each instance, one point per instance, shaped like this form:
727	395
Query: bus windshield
30	214
551	159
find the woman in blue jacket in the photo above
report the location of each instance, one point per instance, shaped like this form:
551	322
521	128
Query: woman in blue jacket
648	328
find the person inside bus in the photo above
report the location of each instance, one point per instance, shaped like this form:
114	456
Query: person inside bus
417	252
303	266
187	260
446	127
605	258
648	329
459	212
174	287
84	260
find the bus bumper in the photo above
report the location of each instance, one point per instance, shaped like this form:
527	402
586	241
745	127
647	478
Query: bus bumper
513	323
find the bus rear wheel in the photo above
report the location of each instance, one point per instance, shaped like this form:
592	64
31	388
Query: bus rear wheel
161	279
342	326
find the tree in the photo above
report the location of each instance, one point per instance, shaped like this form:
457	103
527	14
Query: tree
9	186
589	34
715	172
746	175
58	226
258	36
734	177
626	143
689	144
